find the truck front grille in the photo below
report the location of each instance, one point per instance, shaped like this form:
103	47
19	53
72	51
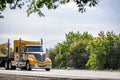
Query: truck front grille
40	58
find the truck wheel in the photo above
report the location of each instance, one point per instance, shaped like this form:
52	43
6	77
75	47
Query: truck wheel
47	69
10	65
13	67
23	68
6	65
28	66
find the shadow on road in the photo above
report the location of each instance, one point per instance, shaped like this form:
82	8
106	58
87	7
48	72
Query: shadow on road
19	77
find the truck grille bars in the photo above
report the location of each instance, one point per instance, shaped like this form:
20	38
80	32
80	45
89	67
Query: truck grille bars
40	57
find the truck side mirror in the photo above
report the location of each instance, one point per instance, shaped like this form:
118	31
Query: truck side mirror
41	41
46	50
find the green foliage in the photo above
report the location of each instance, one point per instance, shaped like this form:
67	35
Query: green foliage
52	54
82	51
104	51
35	6
79	53
72	53
97	54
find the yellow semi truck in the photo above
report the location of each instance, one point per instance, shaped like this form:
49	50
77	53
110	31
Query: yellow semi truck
27	55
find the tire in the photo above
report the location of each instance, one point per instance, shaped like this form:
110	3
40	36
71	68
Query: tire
47	69
28	66
10	65
23	68
13	67
6	65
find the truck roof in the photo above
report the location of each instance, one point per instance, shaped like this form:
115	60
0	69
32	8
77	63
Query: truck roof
25	42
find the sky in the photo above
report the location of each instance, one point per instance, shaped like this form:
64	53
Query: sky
56	23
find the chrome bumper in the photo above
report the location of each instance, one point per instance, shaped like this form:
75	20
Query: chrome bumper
36	66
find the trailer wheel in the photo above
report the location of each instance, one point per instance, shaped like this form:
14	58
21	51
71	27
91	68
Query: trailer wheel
28	66
6	65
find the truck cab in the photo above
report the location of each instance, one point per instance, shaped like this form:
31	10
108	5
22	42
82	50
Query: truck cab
30	54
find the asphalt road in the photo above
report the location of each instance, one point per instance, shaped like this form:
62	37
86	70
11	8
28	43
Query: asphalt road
68	74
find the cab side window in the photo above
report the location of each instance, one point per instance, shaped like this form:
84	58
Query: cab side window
16	49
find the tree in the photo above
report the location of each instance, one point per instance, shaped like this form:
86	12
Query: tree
97	54
35	6
84	51
79	52
113	52
104	51
71	52
52	54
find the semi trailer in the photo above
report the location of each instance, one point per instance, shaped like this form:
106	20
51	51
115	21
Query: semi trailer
26	56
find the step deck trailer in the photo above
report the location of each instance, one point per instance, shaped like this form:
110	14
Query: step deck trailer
4	61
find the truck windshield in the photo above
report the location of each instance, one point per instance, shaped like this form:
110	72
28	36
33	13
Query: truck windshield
34	49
